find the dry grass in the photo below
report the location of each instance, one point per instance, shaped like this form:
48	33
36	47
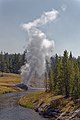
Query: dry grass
27	100
8	81
10	78
8	89
42	99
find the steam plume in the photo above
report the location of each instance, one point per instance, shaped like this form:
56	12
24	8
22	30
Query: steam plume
39	47
45	18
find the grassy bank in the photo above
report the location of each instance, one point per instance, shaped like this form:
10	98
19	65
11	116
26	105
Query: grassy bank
7	81
28	100
41	99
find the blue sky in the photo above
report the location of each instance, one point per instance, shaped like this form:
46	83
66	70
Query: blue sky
65	31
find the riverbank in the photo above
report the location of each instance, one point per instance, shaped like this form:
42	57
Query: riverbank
43	102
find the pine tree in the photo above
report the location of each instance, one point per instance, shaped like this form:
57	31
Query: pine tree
76	82
47	76
66	74
1	63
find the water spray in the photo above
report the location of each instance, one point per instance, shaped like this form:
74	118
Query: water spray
39	47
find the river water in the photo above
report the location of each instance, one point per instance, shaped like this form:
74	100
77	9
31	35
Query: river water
10	110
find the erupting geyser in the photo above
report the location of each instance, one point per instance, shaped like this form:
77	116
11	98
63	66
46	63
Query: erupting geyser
39	47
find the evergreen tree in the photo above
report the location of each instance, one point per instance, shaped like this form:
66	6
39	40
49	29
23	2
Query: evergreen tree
11	62
76	82
66	73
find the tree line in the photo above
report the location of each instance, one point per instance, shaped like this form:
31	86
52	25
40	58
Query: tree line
11	63
63	75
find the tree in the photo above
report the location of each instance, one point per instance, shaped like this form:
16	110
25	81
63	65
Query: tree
11	62
76	82
47	76
1	63
66	74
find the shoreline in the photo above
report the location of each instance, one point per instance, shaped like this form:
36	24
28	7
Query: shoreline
43	102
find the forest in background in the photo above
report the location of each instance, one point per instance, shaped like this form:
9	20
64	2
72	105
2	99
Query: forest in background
11	63
62	74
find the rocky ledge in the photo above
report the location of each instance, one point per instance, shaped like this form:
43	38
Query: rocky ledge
47	111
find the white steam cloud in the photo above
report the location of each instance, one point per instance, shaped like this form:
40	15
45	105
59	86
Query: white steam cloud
39	46
45	18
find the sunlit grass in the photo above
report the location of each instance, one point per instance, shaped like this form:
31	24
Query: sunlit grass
41	99
10	78
40	96
7	81
7	89
27	100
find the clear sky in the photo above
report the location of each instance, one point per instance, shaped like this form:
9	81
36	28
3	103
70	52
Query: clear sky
65	31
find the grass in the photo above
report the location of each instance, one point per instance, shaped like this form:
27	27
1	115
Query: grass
41	99
8	81
27	100
10	78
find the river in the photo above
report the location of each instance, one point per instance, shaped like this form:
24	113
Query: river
10	110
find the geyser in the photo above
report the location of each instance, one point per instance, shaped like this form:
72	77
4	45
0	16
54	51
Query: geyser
39	48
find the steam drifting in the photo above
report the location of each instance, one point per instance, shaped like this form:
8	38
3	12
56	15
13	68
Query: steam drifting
45	18
39	47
